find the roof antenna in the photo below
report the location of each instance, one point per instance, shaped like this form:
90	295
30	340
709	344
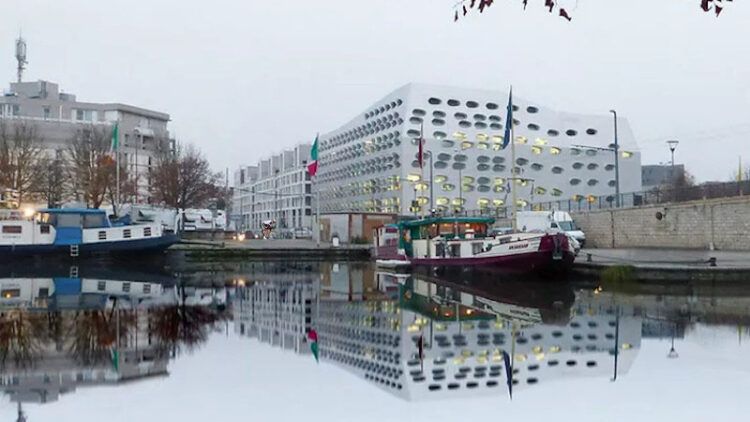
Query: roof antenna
21	56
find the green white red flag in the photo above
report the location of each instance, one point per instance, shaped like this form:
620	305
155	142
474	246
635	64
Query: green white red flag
312	166
313	337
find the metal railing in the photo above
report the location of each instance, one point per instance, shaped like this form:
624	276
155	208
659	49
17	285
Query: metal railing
655	196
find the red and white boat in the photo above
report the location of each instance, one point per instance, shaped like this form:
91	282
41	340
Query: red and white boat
466	242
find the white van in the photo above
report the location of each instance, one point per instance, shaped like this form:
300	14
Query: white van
550	220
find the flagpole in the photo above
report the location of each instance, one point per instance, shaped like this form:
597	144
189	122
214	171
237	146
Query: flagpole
421	163
117	169
514	220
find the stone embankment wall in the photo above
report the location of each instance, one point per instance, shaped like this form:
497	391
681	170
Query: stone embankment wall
722	224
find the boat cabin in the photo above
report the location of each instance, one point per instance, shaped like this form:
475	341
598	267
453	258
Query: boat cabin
453	230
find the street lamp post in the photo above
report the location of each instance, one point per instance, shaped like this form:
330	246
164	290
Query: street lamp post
672	146
460	182
617	162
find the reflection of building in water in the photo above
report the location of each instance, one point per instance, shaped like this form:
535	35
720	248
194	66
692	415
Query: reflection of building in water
278	313
58	334
53	353
366	328
464	342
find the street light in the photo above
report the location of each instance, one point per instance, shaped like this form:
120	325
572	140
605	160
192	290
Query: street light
672	146
672	352
617	162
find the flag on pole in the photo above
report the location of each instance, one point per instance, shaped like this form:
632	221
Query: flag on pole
313	337
508	120
115	145
420	350
508	372
115	355
312	166
420	153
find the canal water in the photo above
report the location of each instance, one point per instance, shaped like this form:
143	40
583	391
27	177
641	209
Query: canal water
199	341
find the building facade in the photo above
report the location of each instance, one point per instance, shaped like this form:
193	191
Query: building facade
57	118
370	164
277	188
655	175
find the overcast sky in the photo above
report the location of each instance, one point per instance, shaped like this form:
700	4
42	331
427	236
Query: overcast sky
238	379
245	78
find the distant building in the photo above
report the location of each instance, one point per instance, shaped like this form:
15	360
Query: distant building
654	175
58	116
277	188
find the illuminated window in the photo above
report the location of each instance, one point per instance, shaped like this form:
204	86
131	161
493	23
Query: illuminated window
521	140
627	154
448	187
536	150
498	202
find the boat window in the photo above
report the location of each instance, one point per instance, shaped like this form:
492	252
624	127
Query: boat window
456	250
44	229
69	220
12	229
47	218
477	248
91	221
440	250
10	293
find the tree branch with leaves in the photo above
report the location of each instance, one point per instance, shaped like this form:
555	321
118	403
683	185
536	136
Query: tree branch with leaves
564	8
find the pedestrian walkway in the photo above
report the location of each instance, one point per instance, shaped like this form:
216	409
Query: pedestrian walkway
665	258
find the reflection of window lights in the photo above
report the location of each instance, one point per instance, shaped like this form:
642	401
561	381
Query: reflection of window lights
627	154
541	141
498	202
554	151
521	140
536	150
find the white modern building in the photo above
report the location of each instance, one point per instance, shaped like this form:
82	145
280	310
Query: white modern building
370	164
277	188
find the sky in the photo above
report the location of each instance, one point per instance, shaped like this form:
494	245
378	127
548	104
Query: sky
239	379
243	79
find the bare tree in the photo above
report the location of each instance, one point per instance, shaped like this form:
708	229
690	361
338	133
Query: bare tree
92	166
52	183
182	178
21	158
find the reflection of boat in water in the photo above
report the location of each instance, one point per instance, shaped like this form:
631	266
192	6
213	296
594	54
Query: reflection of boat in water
464	330
61	333
75	232
466	242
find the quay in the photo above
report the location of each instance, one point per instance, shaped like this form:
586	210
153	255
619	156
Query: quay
645	265
277	248
665	265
